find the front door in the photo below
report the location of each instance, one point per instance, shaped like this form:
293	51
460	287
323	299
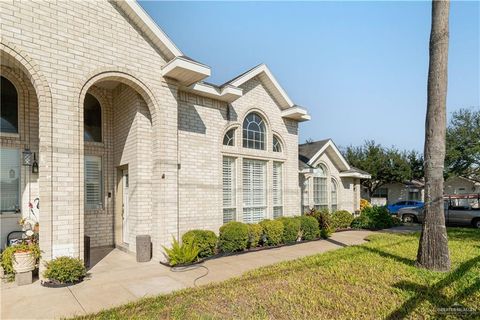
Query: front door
125	206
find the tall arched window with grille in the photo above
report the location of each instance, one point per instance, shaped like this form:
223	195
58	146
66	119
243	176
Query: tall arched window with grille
9	107
254	132
92	119
320	197
333	195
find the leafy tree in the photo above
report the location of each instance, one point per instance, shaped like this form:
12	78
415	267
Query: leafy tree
463	144
385	165
415	159
433	246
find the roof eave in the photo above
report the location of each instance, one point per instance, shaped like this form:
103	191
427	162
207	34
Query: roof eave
185	71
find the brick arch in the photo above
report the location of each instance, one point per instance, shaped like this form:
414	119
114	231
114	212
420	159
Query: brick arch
123	76
14	56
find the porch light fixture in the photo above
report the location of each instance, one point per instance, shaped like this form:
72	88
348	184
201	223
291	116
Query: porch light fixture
27	157
35	164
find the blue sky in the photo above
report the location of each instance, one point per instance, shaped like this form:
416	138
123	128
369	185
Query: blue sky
360	68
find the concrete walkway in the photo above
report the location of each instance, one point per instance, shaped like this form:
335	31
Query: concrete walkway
118	278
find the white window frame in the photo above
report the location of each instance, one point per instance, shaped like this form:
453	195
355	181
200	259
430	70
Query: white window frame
320	188
254	178
229	189
277	189
333	195
90	180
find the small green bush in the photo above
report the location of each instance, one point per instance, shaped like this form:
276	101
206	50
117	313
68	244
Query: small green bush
309	227
324	222
291	229
181	254
254	235
374	218
341	219
65	270
7	255
273	232
205	241
233	237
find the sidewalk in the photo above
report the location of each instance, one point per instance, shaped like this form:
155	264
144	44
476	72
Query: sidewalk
118	279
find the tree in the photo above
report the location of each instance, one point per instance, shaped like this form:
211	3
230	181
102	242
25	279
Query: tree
433	247
463	144
384	165
415	160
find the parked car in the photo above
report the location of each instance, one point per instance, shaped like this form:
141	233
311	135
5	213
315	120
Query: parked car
460	210
393	208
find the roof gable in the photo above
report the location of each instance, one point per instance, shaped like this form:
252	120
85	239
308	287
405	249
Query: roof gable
135	12
314	150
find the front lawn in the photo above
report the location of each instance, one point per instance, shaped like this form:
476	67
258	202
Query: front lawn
372	281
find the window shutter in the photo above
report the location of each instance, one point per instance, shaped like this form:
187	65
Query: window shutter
229	192
93	182
254	198
9	180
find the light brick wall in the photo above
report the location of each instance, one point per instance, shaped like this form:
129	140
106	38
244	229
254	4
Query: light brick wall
348	189
60	45
202	124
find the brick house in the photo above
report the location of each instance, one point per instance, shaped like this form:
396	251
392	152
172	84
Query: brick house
327	181
126	136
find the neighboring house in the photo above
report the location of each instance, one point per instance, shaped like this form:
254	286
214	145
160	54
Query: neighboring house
327	181
127	137
415	190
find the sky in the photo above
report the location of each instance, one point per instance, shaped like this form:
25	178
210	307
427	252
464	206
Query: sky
359	68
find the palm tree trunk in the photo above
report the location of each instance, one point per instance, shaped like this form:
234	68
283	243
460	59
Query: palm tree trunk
433	248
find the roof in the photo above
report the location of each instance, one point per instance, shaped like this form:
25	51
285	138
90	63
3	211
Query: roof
309	149
309	152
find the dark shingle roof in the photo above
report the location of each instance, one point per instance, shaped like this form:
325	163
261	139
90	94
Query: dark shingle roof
307	150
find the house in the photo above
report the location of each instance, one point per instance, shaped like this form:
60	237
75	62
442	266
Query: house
326	179
115	131
415	190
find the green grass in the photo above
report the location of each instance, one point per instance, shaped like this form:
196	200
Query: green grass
377	280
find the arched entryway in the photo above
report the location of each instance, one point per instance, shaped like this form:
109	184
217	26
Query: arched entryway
118	143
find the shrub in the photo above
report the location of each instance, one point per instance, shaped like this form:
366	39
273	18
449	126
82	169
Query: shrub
254	235
364	204
65	270
205	241
233	237
308	227
341	219
273	232
7	255
324	222
373	218
181	254
291	229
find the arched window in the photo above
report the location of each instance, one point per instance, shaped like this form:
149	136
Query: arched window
9	107
229	138
333	195
92	119
254	132
277	145
320	196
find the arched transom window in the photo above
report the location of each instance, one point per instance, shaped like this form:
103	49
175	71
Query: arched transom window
254	132
229	138
277	145
92	119
9	107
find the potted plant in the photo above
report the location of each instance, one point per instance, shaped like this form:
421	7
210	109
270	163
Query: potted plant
64	271
22	257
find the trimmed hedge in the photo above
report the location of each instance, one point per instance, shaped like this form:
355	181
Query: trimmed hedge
254	235
233	237
273	232
291	229
308	227
341	219
204	240
324	222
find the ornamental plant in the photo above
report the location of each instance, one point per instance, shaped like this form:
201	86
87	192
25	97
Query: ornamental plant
309	227
181	254
291	229
254	235
341	219
65	270
272	231
8	254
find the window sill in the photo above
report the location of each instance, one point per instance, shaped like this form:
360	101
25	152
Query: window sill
9	135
